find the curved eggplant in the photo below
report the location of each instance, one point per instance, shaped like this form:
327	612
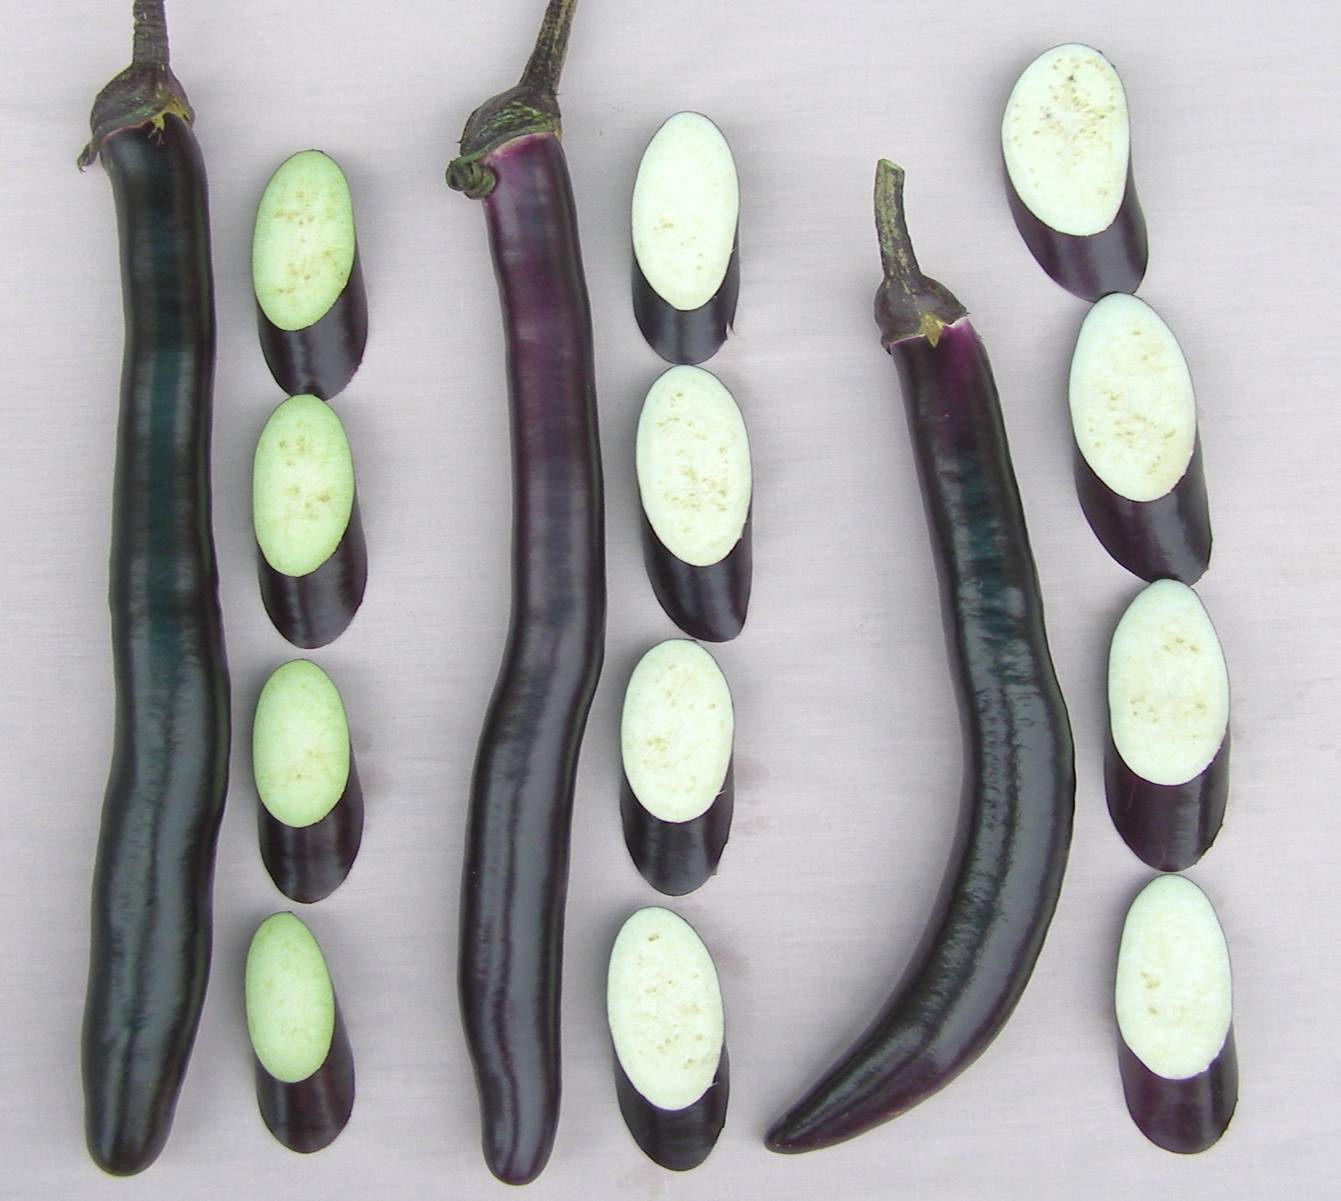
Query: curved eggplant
1019	774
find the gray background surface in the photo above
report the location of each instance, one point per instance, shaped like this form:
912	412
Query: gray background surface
848	748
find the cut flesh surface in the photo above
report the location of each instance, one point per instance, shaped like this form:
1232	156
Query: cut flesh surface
1066	139
1173	993
289	998
300	744
1168	686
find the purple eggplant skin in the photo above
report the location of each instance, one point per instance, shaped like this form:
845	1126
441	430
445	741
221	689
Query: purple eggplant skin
1092	265
308	863
678	1139
1018	796
675	858
1165	538
149	955
687	336
515	876
309	1114
1185	1116
708	603
321	359
1168	826
315	609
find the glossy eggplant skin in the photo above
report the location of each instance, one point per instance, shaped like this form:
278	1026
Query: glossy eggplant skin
1168	826
678	1139
153	880
315	609
322	358
1165	538
1184	1116
687	335
1092	265
308	863
708	603
307	1115
675	858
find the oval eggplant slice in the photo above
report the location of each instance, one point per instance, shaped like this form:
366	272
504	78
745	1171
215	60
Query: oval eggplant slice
1174	1005
311	811
693	465
304	1064
676	736
311	308
1167	767
686	260
664	1005
313	560
1066	139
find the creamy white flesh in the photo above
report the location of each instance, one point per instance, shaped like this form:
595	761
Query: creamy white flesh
693	464
1173	995
677	730
686	202
1067	140
664	1006
302	485
289	999
1132	405
300	744
302	249
1168	686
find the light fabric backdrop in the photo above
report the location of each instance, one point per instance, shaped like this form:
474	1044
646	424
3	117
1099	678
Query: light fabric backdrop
848	750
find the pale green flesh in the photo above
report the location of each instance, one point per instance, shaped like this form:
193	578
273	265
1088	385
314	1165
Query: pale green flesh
303	244
302	486
300	744
289	999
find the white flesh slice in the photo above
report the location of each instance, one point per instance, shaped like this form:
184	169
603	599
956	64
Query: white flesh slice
1168	686
302	249
1173	994
664	1005
686	203
693	464
289	998
302	485
676	731
1067	140
1132	404
300	744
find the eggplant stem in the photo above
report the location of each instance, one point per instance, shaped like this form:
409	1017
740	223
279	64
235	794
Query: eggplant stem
151	34
551	47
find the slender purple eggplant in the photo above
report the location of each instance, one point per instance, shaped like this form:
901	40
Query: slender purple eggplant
149	955
1166	770
515	877
1174	1002
676	736
311	306
686	247
1018	791
694	481
1066	140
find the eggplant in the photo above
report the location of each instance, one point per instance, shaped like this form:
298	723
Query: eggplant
307	276
694	481
310	817
664	1005
1018	792
312	559
1138	458
686	247
304	1062
1174	1004
1066	142
1166	769
515	876
676	735
149	954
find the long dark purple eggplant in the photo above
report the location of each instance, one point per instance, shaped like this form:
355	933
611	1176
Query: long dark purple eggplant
515	877
153	880
1019	776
